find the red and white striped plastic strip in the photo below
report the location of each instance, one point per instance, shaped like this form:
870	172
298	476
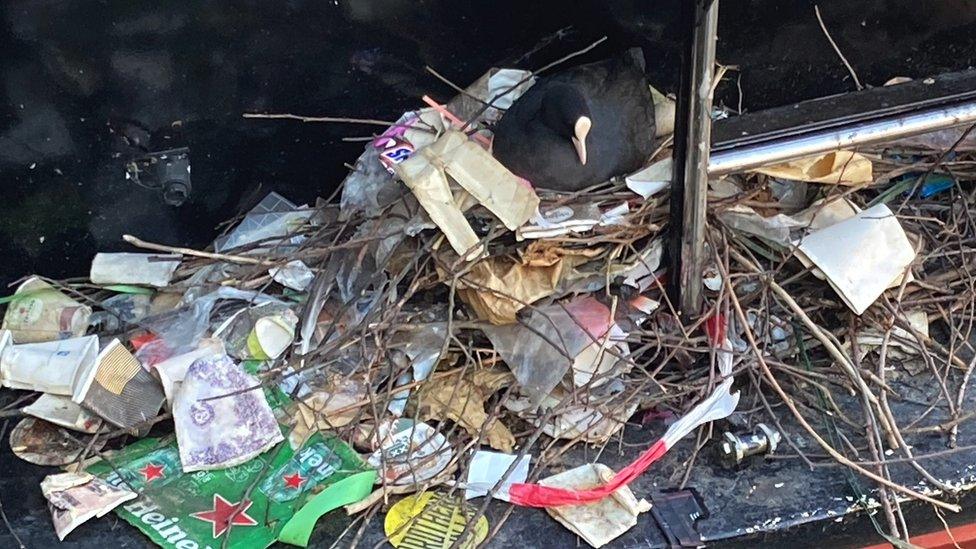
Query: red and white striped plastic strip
718	405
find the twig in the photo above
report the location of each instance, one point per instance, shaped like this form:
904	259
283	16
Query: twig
806	426
329	119
3	513
454	86
197	253
531	75
850	69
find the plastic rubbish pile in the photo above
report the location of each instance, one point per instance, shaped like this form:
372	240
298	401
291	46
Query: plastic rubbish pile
447	331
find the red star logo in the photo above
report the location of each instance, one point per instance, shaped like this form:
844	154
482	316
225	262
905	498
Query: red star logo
152	471
220	515
294	481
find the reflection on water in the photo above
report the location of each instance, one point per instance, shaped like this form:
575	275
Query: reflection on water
87	85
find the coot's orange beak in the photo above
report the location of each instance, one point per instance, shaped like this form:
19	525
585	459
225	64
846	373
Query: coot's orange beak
581	129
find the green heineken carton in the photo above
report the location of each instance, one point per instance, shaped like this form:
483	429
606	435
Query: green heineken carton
292	489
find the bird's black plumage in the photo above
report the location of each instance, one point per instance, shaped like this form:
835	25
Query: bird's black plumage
534	137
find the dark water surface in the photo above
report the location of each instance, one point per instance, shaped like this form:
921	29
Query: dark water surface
77	75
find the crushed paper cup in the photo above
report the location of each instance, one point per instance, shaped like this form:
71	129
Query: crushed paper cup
39	312
62	411
271	336
54	367
42	443
73	498
882	250
141	269
172	370
119	389
410	453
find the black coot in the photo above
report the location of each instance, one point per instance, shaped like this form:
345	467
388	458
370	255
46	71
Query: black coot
581	126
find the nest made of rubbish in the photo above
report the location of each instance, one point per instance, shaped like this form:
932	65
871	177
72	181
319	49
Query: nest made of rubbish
390	298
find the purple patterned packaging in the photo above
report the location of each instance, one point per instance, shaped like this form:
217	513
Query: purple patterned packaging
221	432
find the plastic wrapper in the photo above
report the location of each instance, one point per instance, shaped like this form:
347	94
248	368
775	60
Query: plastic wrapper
121	311
542	352
182	328
422	350
216	433
271	221
294	274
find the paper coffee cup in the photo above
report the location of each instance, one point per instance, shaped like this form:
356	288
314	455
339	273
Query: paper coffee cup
39	312
51	367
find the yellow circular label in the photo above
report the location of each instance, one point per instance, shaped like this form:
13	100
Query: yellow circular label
432	521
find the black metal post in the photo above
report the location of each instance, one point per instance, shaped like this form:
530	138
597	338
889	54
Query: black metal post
692	142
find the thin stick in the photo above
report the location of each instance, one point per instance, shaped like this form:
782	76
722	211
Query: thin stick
453	86
850	69
515	86
771	379
328	119
139	243
3	513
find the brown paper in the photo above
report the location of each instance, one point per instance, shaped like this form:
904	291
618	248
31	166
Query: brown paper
328	409
462	400
837	168
498	287
600	522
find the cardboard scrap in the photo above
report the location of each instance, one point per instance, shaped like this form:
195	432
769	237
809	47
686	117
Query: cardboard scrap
462	399
601	522
278	495
837	168
510	199
651	180
883	251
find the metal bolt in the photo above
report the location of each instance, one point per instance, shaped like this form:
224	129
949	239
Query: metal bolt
734	449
